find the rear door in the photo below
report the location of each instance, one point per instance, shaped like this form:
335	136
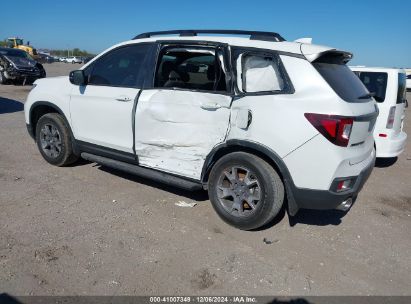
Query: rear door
181	119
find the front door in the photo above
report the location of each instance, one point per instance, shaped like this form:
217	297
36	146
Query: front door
101	111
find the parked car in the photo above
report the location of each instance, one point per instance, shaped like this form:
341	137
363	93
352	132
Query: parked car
408	84
62	59
44	58
73	59
388	88
258	122
18	66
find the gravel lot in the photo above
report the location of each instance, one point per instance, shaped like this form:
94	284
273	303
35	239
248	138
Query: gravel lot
89	230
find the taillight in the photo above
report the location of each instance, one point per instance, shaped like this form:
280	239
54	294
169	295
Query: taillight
337	129
391	116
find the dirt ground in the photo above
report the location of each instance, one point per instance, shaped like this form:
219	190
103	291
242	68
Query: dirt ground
89	230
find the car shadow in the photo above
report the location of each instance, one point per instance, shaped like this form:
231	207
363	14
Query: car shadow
308	217
317	217
7	299
199	195
385	162
10	105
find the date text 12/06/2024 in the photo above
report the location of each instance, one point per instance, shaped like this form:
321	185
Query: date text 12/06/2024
204	299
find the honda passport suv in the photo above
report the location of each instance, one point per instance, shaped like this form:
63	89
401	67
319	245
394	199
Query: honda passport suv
257	121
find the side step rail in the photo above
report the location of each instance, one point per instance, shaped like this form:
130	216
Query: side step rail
158	176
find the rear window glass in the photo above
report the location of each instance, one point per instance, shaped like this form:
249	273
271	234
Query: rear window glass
376	82
401	95
343	81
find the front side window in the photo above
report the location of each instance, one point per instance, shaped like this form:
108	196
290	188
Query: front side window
376	82
121	67
192	68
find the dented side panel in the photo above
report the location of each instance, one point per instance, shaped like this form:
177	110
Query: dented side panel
175	130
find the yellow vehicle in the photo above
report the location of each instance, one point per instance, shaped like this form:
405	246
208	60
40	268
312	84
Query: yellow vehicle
18	43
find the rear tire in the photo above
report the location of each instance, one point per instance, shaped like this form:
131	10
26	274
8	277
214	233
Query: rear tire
54	140
245	191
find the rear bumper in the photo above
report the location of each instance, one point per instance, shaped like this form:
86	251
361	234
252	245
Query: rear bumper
328	199
391	146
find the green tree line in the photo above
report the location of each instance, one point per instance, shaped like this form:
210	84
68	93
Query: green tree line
60	53
72	52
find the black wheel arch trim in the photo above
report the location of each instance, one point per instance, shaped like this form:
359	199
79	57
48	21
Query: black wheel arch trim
259	149
31	128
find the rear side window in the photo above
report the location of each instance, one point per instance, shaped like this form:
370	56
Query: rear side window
376	82
343	81
191	68
401	95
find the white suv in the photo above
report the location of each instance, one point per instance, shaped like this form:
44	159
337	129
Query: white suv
73	59
257	121
388	88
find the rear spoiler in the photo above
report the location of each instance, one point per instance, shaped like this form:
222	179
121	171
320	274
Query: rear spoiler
330	56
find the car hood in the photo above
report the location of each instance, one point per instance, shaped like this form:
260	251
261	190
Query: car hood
21	62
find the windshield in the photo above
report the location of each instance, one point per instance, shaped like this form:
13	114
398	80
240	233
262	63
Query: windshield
15	53
19	41
343	81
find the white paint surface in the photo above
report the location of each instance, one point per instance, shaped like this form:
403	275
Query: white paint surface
175	132
99	118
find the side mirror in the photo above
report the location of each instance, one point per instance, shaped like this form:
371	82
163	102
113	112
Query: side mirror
78	78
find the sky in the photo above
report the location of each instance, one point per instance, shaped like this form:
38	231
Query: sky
377	32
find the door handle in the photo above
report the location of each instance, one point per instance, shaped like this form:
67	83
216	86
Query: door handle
210	106
123	98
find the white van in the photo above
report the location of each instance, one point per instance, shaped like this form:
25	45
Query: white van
388	88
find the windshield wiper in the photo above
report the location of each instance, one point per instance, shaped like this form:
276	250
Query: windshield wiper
367	96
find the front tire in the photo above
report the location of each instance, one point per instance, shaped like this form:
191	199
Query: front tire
245	191
54	140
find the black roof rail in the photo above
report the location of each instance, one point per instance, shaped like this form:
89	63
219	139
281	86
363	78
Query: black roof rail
254	35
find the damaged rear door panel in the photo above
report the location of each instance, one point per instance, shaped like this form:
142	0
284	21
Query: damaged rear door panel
178	122
175	130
